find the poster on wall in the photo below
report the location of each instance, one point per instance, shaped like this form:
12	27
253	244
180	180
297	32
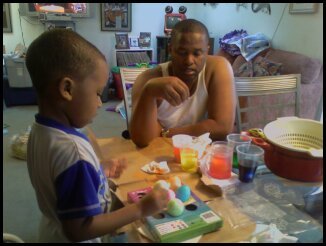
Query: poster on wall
116	17
303	8
6	18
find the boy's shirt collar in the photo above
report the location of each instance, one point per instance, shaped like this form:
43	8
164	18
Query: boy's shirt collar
52	123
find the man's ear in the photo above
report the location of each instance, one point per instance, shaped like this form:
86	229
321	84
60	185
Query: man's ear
66	86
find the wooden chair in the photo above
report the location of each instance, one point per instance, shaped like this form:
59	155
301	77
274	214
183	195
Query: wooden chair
128	78
261	100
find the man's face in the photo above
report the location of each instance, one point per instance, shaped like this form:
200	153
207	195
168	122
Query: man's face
188	53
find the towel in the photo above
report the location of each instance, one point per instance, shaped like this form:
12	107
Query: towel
252	45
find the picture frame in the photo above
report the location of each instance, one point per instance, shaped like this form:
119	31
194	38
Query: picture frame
122	41
7	27
116	17
133	42
303	8
144	40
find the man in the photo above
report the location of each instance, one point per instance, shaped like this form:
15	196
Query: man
192	94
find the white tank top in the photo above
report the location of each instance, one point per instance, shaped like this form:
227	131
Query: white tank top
190	111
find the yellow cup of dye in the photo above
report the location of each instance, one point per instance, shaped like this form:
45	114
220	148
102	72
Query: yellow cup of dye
189	159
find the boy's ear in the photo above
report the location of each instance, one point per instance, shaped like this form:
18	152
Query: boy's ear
66	86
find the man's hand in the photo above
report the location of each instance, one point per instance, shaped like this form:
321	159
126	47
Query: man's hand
172	89
113	168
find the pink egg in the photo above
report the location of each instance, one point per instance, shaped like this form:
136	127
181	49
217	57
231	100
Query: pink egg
171	194
161	184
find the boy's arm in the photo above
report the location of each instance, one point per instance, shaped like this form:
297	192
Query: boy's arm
88	228
83	229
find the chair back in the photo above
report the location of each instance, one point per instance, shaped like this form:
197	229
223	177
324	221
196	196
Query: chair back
128	78
261	100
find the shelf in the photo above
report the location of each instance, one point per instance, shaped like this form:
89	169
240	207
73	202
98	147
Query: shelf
124	57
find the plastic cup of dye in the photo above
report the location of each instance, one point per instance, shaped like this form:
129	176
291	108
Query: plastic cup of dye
235	140
189	158
249	158
180	141
219	162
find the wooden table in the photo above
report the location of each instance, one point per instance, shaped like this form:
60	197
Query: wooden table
160	149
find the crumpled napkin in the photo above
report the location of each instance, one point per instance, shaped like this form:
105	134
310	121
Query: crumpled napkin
270	234
156	167
200	143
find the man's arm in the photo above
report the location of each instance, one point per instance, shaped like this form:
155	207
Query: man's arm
149	88
221	102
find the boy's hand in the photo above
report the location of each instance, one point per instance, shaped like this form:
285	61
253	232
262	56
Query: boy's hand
153	202
113	168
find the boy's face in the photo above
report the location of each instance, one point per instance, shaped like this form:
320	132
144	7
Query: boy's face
86	97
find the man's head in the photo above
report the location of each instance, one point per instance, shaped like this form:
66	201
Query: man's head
67	72
188	49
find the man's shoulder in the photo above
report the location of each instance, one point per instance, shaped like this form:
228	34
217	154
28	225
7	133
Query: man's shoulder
213	63
152	73
213	59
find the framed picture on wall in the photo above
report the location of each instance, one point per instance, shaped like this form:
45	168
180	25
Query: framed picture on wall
116	17
6	18
303	8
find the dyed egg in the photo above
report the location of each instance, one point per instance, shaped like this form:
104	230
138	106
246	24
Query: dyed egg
175	183
175	207
183	193
161	184
171	194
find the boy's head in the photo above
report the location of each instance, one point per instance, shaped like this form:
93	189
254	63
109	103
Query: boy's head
68	73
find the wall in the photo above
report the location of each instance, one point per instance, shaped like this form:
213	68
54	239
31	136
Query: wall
301	33
294	32
146	17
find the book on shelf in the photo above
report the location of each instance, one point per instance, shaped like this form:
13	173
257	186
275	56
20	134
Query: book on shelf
127	58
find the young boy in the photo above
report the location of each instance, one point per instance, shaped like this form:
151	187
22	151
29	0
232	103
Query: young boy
69	75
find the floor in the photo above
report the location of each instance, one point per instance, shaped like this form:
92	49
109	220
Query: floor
20	210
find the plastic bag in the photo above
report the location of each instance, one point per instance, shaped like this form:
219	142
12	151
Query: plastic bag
227	42
18	144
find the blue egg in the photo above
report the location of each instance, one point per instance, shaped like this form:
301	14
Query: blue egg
183	193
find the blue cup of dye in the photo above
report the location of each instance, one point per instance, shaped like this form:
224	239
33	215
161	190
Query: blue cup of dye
249	157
